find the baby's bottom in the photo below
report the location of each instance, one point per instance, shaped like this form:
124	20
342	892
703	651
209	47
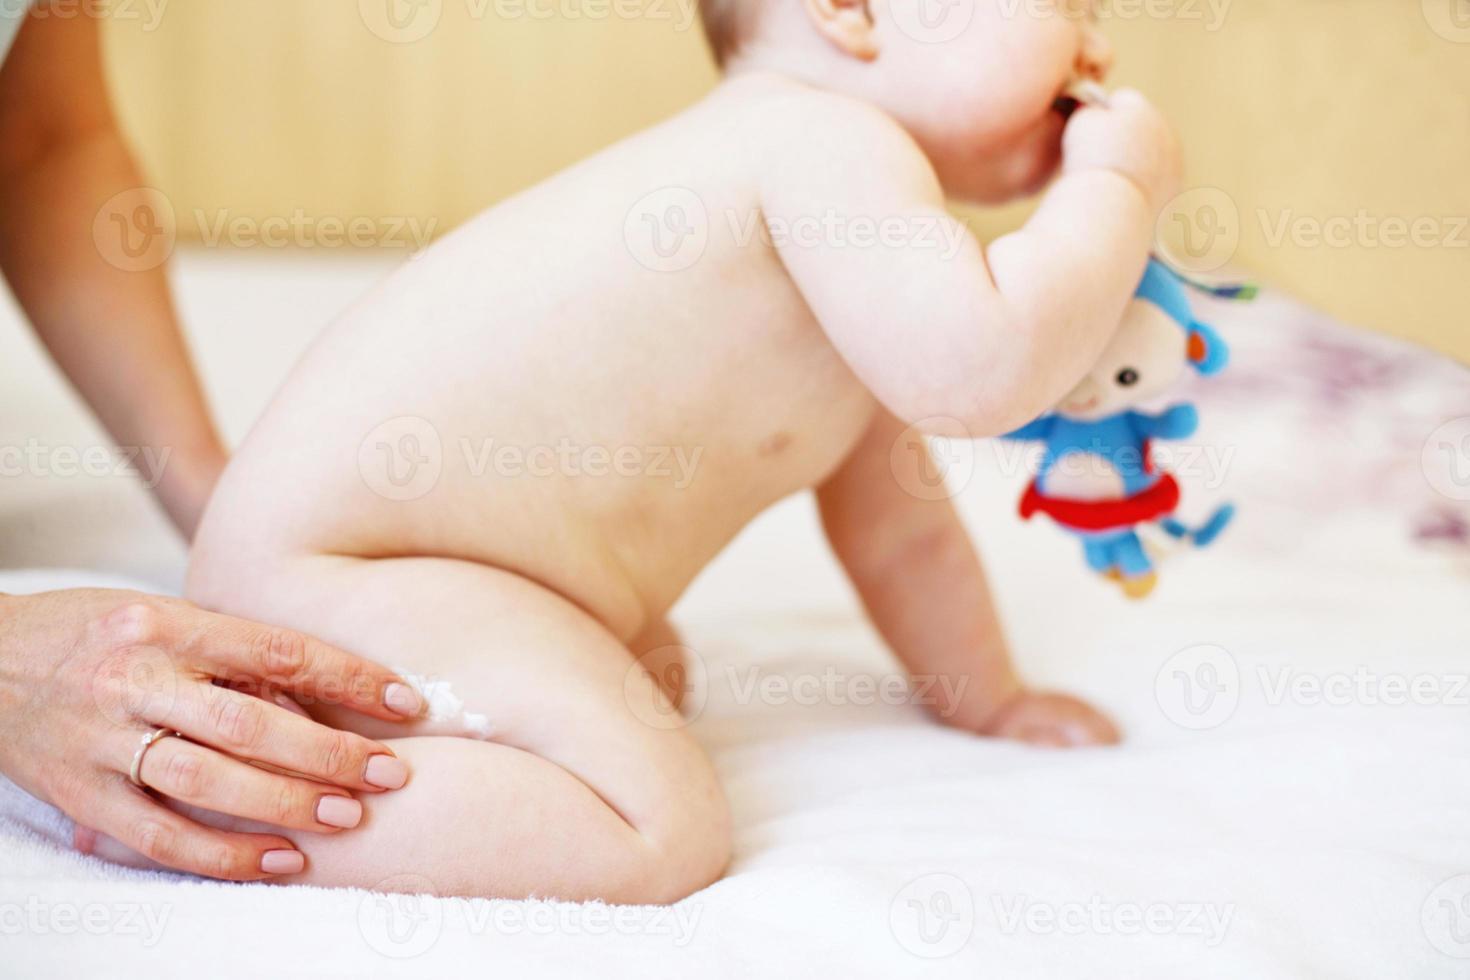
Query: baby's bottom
569	775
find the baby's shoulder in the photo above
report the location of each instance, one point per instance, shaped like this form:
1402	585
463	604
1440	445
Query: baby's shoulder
804	121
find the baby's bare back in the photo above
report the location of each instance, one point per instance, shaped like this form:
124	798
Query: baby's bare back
595	384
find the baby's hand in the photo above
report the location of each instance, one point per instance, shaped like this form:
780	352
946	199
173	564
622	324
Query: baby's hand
1130	137
1053	720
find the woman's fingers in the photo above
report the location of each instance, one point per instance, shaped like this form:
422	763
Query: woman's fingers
256	730
314	671
158	834
200	776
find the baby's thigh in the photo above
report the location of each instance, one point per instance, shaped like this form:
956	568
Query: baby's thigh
504	660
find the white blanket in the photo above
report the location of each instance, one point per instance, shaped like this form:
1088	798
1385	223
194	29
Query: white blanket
1292	799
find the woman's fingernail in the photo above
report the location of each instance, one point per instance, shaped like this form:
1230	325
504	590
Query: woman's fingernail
402	699
282	862
385	772
339	811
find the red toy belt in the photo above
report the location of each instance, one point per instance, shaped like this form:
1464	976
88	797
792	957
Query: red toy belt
1104	515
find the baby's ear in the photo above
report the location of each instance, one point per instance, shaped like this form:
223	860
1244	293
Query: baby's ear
1207	352
847	24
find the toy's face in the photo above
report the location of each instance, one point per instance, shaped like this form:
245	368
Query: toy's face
1146	356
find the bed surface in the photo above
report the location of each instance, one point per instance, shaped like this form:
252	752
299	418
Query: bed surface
1292	799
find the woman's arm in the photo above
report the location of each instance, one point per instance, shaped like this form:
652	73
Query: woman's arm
112	331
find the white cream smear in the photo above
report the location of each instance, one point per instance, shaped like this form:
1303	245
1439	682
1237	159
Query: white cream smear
446	707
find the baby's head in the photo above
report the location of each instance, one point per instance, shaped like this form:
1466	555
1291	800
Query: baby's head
974	81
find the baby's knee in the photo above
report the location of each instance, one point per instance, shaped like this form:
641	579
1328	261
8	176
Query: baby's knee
567	841
691	844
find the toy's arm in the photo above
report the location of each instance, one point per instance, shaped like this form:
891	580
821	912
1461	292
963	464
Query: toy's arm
1178	422
922	583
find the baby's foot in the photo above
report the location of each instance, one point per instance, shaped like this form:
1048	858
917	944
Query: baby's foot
1053	720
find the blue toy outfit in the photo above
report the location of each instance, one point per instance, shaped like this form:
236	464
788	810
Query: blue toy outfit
1120	445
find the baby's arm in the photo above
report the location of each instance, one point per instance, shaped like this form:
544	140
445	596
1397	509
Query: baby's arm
932	322
921	580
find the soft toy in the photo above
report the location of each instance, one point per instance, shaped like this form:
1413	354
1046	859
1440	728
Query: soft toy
1096	477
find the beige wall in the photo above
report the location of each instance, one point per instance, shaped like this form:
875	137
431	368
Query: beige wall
1312	117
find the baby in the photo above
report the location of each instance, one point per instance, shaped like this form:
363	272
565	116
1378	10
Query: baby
405	497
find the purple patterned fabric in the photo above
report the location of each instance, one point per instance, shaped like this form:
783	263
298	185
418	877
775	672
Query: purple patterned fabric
1326	419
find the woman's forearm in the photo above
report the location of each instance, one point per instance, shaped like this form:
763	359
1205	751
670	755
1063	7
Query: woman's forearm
112	331
109	322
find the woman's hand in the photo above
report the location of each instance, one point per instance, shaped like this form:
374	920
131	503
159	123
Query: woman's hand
86	673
